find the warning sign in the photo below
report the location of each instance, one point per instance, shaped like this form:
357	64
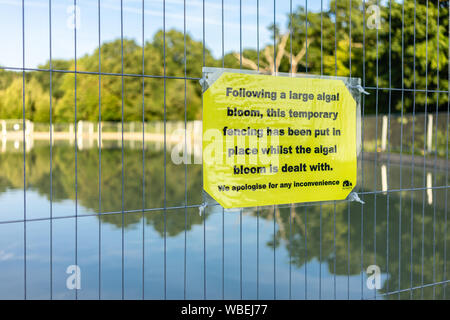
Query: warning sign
271	140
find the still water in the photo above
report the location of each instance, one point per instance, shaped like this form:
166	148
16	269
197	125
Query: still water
319	251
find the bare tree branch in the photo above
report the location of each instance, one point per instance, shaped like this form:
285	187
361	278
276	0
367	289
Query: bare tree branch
281	50
358	45
269	58
246	62
296	59
270	62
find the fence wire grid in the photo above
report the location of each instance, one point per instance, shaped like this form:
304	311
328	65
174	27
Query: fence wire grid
346	271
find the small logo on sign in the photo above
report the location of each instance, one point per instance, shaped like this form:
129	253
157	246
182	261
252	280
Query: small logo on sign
347	184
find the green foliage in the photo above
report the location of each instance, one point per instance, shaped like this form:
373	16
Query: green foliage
343	236
87	192
407	50
137	91
36	103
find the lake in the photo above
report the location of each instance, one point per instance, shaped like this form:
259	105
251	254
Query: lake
309	251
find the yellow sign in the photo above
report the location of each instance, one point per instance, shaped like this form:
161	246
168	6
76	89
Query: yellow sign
275	140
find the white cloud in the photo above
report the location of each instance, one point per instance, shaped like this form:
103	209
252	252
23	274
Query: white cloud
5	256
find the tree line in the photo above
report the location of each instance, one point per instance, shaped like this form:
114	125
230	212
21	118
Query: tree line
407	48
341	236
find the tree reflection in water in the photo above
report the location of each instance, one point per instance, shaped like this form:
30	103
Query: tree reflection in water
343	247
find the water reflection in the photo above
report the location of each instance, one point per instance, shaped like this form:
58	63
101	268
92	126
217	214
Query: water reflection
314	251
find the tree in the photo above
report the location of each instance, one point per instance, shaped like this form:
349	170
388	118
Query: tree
409	50
36	101
402	52
161	97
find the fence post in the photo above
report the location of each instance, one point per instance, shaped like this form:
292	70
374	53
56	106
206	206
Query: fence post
430	133
99	130
4	127
29	127
90	134
384	133
4	144
429	188
80	125
71	133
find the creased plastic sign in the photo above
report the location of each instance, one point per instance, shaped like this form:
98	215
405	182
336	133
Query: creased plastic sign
271	140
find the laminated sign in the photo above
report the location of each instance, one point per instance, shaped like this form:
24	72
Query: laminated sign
271	140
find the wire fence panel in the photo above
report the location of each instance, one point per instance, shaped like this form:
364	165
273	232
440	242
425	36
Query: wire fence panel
100	153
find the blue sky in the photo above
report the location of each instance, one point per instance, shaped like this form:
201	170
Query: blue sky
37	44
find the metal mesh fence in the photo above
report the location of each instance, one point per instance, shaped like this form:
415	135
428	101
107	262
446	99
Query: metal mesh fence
402	171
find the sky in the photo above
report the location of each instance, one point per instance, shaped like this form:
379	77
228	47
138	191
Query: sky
37	25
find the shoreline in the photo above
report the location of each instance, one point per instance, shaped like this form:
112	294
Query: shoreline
406	159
